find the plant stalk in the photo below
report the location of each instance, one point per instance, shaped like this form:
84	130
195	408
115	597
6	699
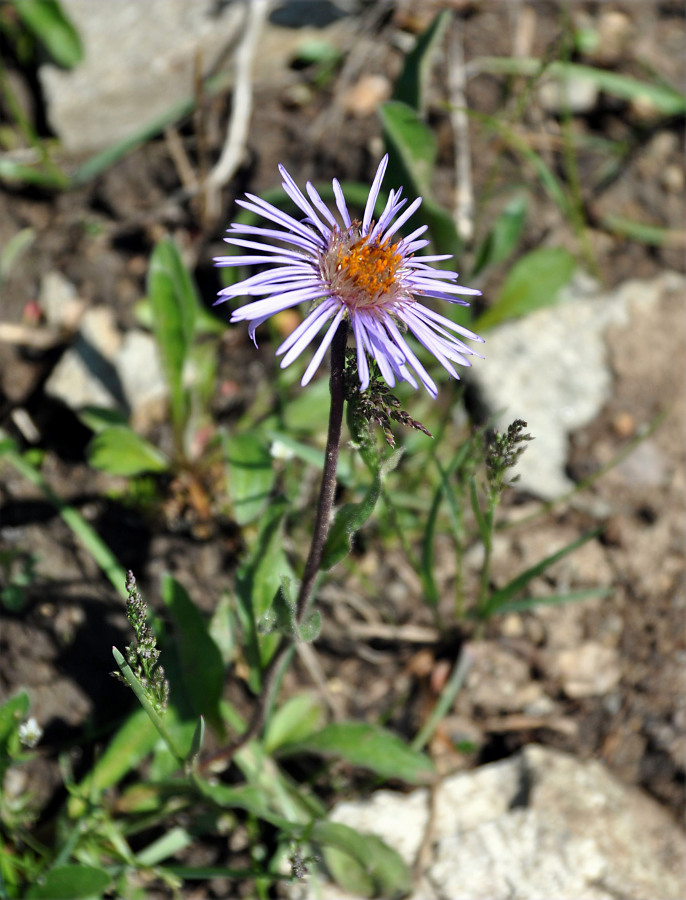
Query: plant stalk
274	671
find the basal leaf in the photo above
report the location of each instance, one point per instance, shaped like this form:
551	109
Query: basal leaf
202	667
410	84
293	721
72	882
533	282
120	451
361	863
369	747
50	25
130	745
250	475
503	236
501	600
412	147
174	302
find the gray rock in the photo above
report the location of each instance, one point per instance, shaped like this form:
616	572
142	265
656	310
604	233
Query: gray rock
85	375
551	369
140	58
138	365
537	826
107	369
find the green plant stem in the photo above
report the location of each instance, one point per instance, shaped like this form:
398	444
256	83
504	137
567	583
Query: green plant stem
140	693
485	578
277	665
328	485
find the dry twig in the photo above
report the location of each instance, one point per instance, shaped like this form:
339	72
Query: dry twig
237	134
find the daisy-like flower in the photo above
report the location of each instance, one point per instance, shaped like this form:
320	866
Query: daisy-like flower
359	271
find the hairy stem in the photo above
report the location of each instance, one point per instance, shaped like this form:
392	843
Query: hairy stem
277	665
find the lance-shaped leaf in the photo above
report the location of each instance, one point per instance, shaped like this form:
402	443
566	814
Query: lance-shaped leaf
351	517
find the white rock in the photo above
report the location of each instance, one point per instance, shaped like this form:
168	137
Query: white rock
551	369
85	375
138	365
539	826
140	58
105	368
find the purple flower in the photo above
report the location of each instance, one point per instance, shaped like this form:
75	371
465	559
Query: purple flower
354	270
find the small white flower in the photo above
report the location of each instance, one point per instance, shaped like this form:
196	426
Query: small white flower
279	450
30	733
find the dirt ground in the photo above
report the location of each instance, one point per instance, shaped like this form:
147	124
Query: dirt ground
100	238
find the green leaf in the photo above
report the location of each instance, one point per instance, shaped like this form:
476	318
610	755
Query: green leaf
652	235
293	721
369	747
12	712
361	863
11	170
309	408
174	301
352	516
412	146
171	842
554	600
311	628
97	418
245	796
667	100
133	741
70	883
500	600
120	451
223	627
197	741
15	247
503	236
202	667
257	584
533	282
412	153
49	24
250	475
411	83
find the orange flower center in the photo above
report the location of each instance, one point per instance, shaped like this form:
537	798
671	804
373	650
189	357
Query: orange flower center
361	273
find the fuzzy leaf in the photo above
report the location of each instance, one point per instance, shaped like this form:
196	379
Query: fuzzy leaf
120	451
361	863
352	516
411	83
49	24
72	882
202	667
533	282
293	721
174	301
250	475
369	747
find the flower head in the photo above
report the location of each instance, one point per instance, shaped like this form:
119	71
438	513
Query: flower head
346	269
